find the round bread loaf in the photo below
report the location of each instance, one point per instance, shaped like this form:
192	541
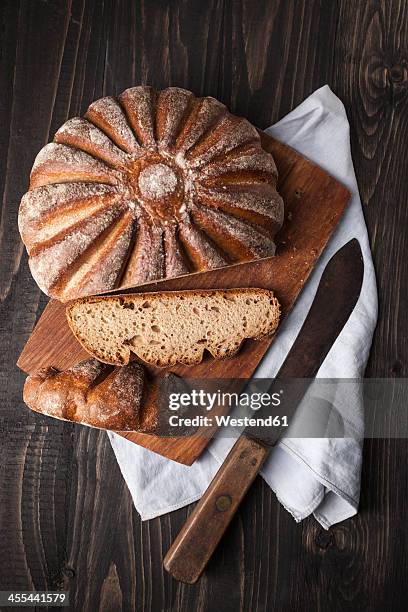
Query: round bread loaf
147	185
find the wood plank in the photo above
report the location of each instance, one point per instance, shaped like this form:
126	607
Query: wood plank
314	203
32	41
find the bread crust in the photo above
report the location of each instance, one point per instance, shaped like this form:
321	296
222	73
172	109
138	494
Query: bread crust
91	393
145	186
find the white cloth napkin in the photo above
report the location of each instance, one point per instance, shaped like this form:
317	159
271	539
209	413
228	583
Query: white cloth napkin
319	476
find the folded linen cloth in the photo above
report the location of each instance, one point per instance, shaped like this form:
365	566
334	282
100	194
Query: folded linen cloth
319	476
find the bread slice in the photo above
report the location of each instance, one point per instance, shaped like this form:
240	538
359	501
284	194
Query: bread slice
172	327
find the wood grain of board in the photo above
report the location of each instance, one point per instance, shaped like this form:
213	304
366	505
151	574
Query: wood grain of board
314	203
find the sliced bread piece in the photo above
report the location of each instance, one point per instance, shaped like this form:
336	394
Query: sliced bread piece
172	327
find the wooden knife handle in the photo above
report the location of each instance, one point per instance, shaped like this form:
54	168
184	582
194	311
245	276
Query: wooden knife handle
199	536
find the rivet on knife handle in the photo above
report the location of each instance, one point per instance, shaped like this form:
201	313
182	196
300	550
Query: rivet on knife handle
205	526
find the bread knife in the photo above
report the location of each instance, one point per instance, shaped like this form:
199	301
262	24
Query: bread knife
336	296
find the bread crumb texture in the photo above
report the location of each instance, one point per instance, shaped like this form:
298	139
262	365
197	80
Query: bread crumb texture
166	328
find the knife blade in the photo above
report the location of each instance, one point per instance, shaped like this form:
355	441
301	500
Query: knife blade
336	296
324	321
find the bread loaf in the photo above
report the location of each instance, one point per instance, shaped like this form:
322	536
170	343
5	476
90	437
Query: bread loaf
166	328
93	394
147	185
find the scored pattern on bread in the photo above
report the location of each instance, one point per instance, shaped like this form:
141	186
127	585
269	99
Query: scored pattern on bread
91	393
166	328
195	180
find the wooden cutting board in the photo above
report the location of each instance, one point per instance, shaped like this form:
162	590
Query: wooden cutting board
314	203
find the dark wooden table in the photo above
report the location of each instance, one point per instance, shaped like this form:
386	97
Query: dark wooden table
66	516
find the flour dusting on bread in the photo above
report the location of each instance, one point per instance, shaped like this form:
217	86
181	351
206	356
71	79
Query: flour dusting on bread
170	159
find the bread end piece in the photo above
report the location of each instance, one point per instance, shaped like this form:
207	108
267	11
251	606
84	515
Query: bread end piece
90	393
